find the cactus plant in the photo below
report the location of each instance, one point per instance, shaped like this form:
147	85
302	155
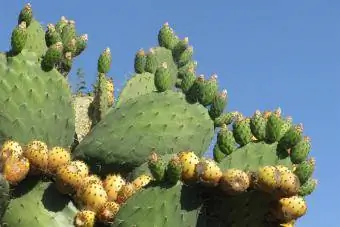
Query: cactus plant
143	162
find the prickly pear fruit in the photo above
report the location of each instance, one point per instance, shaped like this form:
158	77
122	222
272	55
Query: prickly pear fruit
52	36
308	187
52	56
19	38
16	169
61	24
151	61
90	179
70	176
108	212
273	127
258	125
226	118
208	172
208	91
268	178
81	44
94	197
37	154
10	148
291	137
287	124
57	156
291	208
218	104
241	130
141	181
140	60
112	184
163	79
174	170
189	161
234	181
185	57
289	183
288	224
156	166
69	32
167	37
85	218
301	150
305	170
26	15
188	80
104	61
125	193
226	140
180	47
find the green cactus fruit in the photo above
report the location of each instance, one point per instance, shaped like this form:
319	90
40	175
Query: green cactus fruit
208	91
140	61
179	206
190	67
166	37
258	124
226	118
65	65
300	151
180	47
234	181
305	170
4	196
218	104
71	46
81	44
151	63
52	36
104	61
145	123
226	141
188	80
193	93
287	123
208	172
218	154
157	166
273	127
53	55
292	137
36	104
308	187
242	131
137	85
69	32
61	24
46	206
19	38
174	170
185	57
163	79
26	15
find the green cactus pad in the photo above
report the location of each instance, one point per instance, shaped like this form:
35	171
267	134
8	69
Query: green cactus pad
35	104
4	195
39	204
138	85
175	206
36	38
163	122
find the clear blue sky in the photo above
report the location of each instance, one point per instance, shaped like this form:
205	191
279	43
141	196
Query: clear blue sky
266	53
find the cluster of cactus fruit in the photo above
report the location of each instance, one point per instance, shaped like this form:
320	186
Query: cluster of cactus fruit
142	162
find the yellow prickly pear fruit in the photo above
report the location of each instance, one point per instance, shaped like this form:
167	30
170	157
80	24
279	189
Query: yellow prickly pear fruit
70	176
268	178
290	208
125	193
288	224
85	218
37	154
189	161
141	181
10	148
208	172
108	212
91	179
94	197
289	183
57	157
234	181
16	169
112	184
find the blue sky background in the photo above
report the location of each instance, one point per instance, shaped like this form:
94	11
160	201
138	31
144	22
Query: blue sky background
266	53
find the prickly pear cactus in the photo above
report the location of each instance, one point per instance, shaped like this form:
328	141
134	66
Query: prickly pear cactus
142	162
